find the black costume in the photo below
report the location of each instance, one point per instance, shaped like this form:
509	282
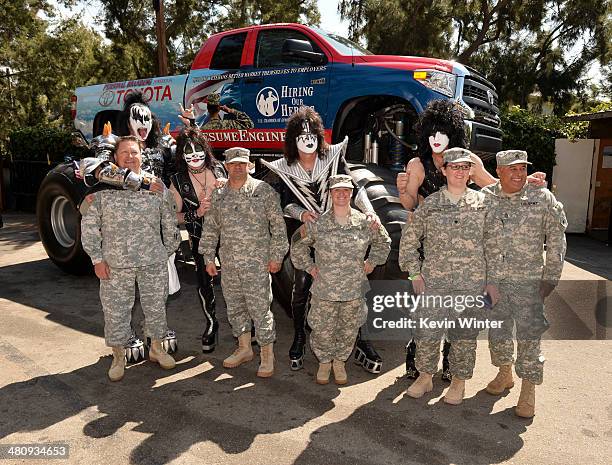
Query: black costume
206	295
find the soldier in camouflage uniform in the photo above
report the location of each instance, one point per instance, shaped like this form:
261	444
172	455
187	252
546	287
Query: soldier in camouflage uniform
129	236
242	121
521	220
450	225
340	239
245	215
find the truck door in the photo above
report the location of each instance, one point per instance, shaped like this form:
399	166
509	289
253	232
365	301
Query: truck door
220	77
276	85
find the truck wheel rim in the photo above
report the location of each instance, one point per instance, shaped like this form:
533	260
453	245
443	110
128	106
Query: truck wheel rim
63	221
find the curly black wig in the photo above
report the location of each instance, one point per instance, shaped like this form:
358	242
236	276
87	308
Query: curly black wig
294	129
134	98
195	136
443	116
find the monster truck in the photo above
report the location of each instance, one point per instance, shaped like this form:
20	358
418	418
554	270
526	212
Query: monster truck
268	72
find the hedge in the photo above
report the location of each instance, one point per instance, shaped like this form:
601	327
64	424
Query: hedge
43	143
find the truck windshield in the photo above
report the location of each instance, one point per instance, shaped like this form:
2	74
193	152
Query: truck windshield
342	45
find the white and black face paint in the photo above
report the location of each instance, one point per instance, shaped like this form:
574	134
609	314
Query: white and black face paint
438	142
194	155
141	121
307	141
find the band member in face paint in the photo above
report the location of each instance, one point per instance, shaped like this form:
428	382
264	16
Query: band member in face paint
305	170
198	174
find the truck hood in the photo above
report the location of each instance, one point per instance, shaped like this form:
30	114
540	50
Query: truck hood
404	62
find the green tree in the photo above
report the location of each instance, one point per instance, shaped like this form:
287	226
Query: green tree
518	45
130	26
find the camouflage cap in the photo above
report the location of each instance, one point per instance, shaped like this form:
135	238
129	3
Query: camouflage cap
213	99
511	157
237	155
340	180
457	155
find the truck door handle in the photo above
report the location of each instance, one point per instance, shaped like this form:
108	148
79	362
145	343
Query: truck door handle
253	81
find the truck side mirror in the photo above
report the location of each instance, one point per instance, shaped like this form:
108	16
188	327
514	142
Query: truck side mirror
302	49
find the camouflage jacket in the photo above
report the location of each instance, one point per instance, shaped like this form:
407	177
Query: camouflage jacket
122	227
452	237
242	121
520	225
248	222
340	251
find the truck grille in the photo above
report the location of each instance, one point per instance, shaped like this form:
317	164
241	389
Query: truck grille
480	95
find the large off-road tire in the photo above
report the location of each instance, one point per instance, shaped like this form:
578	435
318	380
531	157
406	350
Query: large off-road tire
59	221
379	183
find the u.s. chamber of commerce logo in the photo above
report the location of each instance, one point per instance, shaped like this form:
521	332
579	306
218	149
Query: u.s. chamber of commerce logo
267	101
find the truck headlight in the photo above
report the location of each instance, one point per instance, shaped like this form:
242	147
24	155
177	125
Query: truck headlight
439	81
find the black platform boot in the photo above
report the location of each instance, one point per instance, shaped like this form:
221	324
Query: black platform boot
446	374
299	301
411	370
211	333
366	355
206	295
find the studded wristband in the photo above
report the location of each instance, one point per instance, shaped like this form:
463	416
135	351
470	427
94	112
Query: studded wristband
191	217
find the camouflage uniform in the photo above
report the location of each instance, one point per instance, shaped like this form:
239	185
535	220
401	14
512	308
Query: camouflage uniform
338	306
249	223
454	264
242	121
519	224
122	227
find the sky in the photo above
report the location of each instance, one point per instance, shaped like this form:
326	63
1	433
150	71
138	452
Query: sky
330	19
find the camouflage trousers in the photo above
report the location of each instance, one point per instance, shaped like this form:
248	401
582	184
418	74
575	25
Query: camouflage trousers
117	296
462	355
248	296
521	305
334	327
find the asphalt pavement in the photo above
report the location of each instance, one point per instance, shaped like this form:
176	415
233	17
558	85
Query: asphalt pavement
54	388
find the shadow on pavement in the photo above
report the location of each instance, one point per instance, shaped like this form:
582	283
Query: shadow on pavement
395	428
175	414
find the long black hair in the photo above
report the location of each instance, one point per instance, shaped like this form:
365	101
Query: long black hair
294	129
443	116
133	98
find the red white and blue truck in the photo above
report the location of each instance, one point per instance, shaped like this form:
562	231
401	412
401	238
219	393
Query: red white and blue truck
268	72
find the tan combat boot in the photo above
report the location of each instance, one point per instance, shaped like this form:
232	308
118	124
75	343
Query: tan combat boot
423	384
339	372
117	368
323	373
526	404
456	391
243	354
159	355
266	367
502	381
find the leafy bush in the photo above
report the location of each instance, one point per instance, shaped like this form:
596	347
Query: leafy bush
536	134
579	129
43	143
